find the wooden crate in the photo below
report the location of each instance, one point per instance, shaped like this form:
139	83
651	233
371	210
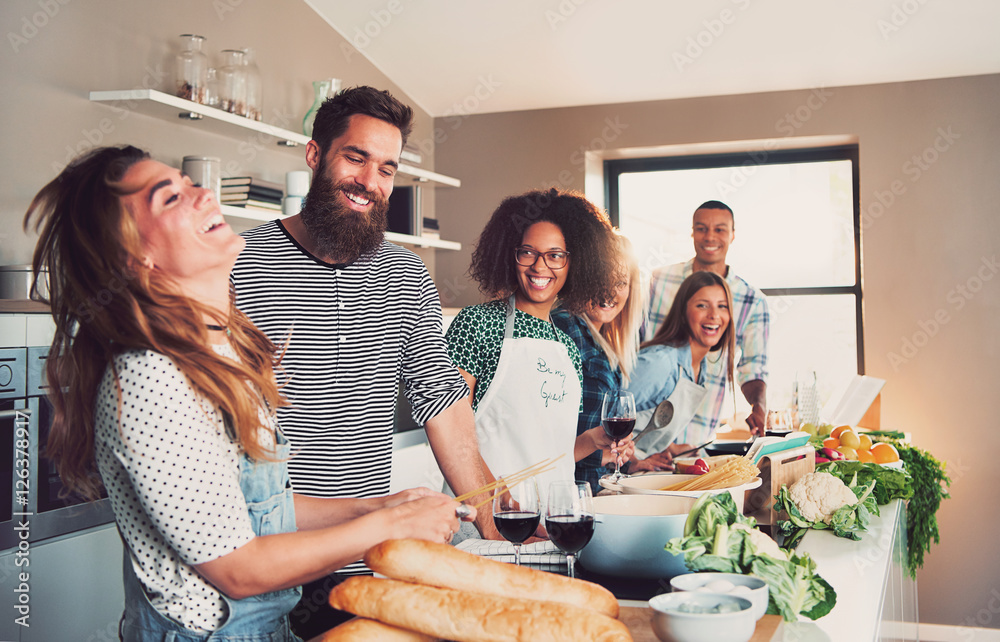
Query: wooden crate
784	467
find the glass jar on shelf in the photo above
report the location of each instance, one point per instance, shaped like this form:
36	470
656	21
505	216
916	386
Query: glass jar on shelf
232	77
191	69
255	106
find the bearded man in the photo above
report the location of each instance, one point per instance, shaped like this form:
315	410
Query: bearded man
354	314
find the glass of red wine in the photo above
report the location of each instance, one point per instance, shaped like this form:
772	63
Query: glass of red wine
618	419
516	513
569	518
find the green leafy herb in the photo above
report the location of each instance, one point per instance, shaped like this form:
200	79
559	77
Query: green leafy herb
930	487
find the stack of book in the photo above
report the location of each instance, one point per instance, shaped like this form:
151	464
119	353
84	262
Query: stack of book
252	193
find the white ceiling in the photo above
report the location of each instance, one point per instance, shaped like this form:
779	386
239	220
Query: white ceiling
474	56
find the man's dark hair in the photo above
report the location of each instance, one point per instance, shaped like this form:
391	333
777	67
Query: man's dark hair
335	113
717	205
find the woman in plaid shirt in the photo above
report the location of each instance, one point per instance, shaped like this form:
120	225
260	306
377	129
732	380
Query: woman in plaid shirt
607	336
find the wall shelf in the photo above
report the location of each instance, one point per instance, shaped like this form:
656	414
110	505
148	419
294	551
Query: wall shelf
393	237
171	108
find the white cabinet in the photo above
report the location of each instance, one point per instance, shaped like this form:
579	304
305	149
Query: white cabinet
209	119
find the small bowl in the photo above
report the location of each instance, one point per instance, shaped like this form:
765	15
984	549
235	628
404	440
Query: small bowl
671	625
758	593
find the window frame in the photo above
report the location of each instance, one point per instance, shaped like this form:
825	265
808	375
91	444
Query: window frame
614	168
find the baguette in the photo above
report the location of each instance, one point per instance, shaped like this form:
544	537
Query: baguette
472	617
445	566
363	629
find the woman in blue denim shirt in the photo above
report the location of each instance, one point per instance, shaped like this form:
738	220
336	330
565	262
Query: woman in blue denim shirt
699	324
164	394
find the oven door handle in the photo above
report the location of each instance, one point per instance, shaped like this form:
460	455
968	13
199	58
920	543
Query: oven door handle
15	414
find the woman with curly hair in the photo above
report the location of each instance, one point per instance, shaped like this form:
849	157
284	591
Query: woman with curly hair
164	392
524	373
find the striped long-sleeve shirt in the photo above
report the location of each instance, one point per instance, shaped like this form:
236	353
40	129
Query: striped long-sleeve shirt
353	332
750	320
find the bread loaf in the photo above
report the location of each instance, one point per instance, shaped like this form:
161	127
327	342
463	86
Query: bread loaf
445	566
362	629
472	617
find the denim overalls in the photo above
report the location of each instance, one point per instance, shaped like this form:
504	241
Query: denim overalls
261	618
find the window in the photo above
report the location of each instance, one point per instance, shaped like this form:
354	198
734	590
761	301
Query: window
796	238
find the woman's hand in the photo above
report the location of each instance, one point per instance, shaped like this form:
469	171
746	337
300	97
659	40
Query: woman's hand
431	517
654	463
622	451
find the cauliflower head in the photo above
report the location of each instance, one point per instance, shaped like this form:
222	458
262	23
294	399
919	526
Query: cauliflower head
763	544
819	495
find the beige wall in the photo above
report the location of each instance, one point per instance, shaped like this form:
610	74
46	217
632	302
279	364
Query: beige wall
49	71
942	231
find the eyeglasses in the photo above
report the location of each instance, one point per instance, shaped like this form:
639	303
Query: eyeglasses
554	260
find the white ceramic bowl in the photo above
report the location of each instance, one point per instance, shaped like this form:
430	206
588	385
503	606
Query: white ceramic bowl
758	591
669	625
652	483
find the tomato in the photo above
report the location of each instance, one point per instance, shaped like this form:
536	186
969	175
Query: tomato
850	439
884	453
831	442
865	456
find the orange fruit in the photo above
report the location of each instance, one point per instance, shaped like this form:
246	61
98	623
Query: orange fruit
850	439
831	442
866	442
839	429
884	453
865	457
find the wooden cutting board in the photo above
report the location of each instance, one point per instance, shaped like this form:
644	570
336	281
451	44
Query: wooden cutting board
638	622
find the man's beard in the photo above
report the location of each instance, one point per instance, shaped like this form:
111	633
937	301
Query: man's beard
339	232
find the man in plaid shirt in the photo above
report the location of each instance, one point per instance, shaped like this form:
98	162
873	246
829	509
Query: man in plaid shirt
713	231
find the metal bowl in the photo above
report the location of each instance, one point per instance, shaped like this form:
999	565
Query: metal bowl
630	532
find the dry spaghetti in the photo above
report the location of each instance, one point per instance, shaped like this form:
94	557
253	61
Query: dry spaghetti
735	472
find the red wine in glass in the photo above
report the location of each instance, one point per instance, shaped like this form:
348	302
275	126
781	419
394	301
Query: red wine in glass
618	419
516	513
570	532
516	526
569	518
618	427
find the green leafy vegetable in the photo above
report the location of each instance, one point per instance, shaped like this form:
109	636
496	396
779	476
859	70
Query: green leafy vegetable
717	537
923	483
891	483
930	487
848	521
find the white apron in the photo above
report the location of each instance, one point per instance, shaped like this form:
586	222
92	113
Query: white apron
686	399
530	411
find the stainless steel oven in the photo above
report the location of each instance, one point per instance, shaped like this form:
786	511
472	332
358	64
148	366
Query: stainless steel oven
33	504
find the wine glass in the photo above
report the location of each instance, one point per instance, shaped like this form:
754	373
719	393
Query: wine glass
618	419
516	513
569	518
